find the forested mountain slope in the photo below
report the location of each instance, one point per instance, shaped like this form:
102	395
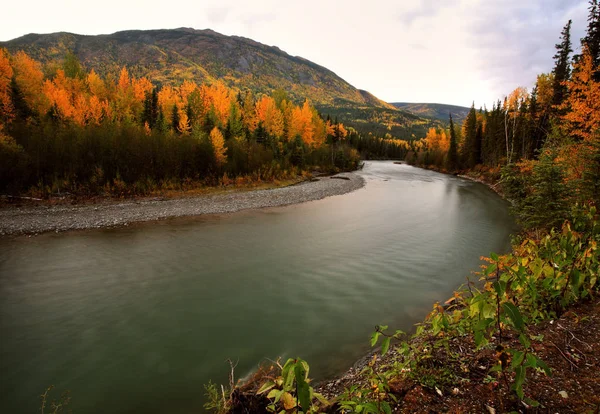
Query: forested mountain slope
171	56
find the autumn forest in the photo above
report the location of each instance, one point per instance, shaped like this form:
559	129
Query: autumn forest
543	146
67	129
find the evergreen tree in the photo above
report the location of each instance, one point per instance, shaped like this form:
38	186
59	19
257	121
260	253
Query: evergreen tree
562	66
592	37
547	203
590	182
469	149
452	162
175	118
235	125
478	144
161	122
260	134
150	112
72	66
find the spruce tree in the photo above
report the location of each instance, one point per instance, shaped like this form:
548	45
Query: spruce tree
150	112
592	37
469	149
175	118
562	66
478	144
452	162
590	180
547	204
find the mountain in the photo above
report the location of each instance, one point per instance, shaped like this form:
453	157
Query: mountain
171	56
435	111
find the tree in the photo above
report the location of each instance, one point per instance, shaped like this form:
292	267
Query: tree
175	117
28	80
72	66
591	41
452	162
547	204
218	144
562	67
512	113
301	124
6	73
590	180
150	113
183	126
269	115
582	119
470	156
249	113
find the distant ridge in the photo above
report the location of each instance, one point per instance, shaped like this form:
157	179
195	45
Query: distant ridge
434	110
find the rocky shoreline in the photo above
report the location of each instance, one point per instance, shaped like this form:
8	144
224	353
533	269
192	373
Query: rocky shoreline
41	219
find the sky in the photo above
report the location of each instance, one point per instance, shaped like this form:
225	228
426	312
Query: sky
445	51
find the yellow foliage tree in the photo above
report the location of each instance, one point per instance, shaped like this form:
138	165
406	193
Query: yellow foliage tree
249	118
219	97
96	85
271	117
184	123
219	148
301	124
29	79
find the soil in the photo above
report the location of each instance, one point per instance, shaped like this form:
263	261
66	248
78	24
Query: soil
570	346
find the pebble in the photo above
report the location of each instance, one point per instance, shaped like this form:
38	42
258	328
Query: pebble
33	220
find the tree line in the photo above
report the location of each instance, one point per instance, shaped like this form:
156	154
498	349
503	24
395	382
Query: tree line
63	128
543	145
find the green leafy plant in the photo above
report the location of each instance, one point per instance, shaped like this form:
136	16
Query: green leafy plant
290	391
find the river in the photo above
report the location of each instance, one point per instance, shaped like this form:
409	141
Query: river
137	319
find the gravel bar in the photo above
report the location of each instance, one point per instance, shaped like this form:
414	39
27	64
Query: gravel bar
41	219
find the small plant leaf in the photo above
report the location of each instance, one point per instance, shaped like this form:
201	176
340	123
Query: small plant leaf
265	387
515	316
385	345
303	388
288	401
375	338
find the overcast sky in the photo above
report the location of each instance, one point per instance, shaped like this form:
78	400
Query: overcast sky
447	51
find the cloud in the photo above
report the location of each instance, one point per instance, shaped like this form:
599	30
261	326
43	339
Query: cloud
217	15
514	40
450	51
424	9
259	18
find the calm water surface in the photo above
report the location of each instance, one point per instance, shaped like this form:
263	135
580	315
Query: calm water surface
137	319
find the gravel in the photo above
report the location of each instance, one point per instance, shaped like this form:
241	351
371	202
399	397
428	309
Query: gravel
40	219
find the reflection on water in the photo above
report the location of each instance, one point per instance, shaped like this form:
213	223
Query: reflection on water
137	319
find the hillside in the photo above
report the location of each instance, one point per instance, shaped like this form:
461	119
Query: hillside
172	56
434	111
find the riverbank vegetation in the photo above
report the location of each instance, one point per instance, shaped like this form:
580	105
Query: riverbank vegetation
524	336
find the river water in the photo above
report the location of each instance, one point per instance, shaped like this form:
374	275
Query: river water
137	319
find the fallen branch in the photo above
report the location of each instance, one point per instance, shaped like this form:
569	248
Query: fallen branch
565	357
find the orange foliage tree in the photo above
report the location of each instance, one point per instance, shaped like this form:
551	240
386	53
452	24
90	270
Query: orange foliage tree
270	116
583	118
6	74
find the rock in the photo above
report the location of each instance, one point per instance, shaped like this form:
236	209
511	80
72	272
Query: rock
563	394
